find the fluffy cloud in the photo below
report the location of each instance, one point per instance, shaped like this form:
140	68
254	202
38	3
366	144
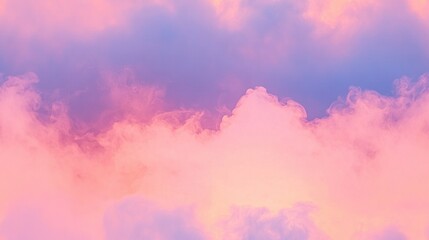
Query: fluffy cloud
362	169
208	57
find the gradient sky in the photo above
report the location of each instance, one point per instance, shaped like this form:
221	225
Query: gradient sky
214	119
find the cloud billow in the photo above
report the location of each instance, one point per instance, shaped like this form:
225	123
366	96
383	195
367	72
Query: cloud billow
362	165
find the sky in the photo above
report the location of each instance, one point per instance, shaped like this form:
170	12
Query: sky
214	119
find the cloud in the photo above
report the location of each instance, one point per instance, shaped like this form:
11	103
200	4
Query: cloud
29	26
46	220
262	224
391	233
44	19
133	219
308	50
113	141
361	168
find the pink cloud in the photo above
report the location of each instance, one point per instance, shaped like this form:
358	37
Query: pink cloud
53	24
260	223
134	218
362	168
45	19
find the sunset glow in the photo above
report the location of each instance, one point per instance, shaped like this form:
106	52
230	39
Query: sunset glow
214	119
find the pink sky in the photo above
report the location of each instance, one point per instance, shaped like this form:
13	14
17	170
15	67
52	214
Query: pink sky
214	120
266	173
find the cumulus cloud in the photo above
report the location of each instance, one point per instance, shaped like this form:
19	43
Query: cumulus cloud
193	48
87	153
361	169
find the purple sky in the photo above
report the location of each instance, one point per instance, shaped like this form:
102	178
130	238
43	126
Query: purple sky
214	119
204	65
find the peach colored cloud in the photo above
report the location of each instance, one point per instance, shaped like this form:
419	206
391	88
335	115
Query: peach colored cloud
266	173
229	13
346	18
420	8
